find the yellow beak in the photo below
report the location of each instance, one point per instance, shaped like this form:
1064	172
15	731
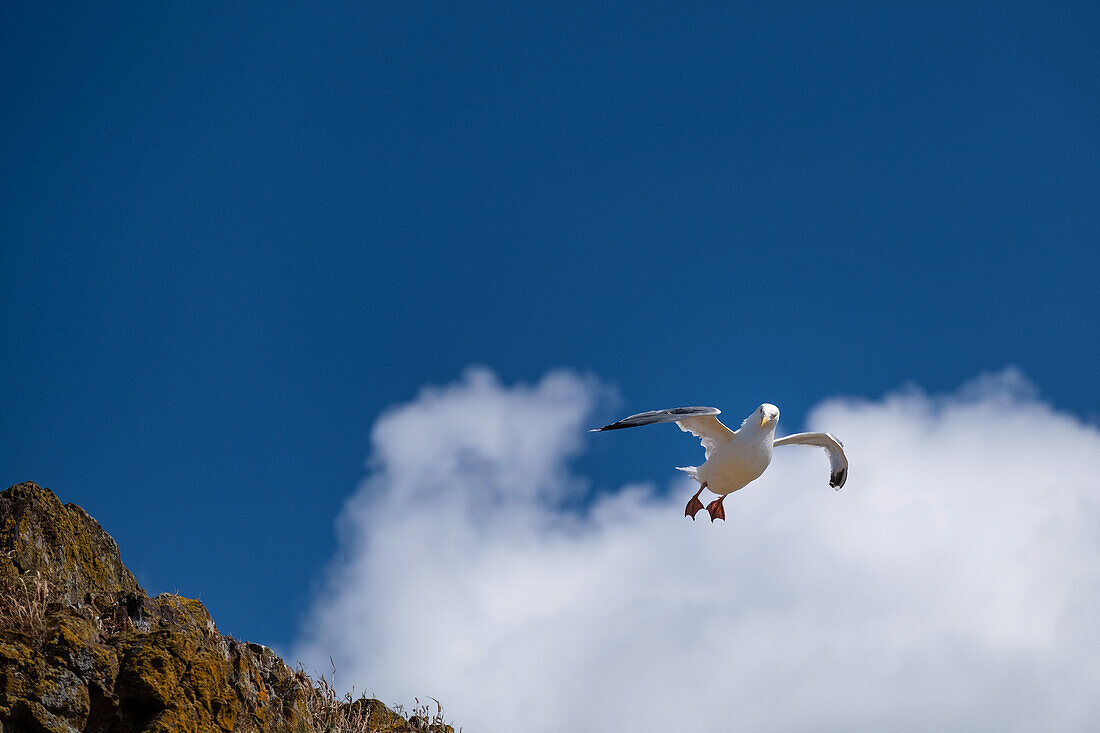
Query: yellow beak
763	420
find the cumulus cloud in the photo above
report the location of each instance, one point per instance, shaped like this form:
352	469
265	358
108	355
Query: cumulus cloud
953	584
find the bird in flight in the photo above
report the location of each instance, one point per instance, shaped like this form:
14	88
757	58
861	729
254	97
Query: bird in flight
734	458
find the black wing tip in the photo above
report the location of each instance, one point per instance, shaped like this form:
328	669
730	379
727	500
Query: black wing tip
658	416
837	479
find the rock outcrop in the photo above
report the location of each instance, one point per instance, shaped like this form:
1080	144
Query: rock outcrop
84	648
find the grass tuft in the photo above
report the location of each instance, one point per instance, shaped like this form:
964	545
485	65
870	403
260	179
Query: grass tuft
331	712
421	717
24	602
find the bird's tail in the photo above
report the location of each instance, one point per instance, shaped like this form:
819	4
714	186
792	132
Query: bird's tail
692	471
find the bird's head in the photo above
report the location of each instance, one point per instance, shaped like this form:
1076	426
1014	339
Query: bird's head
768	414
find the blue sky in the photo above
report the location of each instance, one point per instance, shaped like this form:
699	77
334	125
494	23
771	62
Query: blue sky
231	235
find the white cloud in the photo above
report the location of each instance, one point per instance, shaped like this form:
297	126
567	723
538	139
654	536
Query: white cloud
953	584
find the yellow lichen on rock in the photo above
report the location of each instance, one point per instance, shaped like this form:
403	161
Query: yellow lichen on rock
83	648
64	543
102	655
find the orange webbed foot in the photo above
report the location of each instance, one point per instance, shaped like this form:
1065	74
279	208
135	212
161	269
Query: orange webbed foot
694	505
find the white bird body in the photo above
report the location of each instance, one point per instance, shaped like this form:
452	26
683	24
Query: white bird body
735	464
735	458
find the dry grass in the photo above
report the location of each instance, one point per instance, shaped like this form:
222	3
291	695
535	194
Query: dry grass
331	712
421	717
112	625
24	601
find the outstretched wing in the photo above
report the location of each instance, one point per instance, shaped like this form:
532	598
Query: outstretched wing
699	421
838	462
655	416
709	430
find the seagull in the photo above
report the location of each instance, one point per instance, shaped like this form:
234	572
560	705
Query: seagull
734	458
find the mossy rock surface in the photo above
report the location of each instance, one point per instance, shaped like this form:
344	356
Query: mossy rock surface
97	655
64	544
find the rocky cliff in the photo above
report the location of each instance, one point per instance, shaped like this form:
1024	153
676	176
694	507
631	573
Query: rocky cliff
84	648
